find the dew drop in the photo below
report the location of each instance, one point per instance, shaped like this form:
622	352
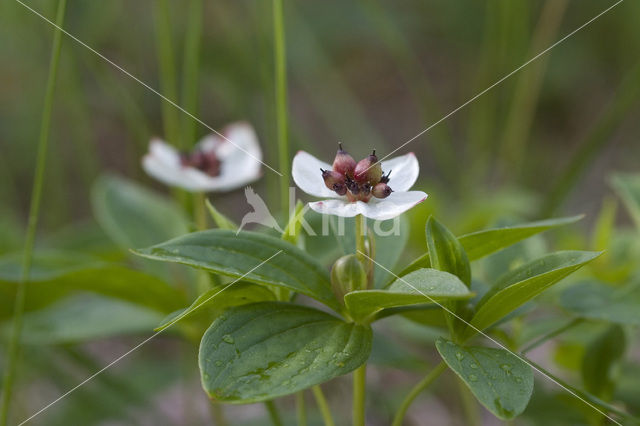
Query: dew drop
473	365
460	356
473	378
228	339
218	363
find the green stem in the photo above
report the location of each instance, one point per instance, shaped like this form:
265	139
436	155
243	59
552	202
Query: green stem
34	212
190	70
360	239
301	410
166	61
217	414
469	405
359	394
551	335
200	217
274	415
280	59
417	389
323	406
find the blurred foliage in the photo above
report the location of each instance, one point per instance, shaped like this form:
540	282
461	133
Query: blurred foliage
548	141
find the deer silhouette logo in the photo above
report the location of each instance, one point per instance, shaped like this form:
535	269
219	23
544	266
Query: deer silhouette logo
260	213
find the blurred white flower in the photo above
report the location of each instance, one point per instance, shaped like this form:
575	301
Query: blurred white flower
215	164
359	188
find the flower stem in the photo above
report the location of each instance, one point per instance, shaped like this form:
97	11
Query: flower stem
301	410
190	70
359	394
323	406
34	212
360	244
280	59
469	405
274	415
417	389
166	61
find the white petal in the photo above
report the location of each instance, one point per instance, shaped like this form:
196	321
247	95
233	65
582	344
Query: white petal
404	171
210	142
307	175
164	152
388	208
338	207
392	206
240	155
169	174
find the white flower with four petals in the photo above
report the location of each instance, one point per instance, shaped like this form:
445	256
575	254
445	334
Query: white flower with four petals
216	164
404	170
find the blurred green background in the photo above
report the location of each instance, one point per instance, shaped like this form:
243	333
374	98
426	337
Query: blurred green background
369	73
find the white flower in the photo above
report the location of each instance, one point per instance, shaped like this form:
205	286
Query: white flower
215	165
307	174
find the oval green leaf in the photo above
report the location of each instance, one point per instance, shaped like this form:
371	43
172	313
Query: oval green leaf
600	357
223	252
501	381
524	283
132	215
603	302
265	350
420	287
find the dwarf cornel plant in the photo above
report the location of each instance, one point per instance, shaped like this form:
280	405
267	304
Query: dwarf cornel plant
262	341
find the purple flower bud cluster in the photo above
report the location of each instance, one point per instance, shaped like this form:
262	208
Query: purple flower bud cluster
358	181
205	161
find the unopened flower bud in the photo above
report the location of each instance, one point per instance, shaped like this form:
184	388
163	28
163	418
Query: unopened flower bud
368	170
344	163
381	190
347	275
332	178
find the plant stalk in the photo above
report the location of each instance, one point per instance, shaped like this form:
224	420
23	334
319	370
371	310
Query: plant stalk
34	212
359	394
274	414
190	70
360	239
280	62
417	389
301	409
323	406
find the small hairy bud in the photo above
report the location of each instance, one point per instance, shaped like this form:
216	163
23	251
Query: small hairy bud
332	178
368	170
347	275
343	163
381	190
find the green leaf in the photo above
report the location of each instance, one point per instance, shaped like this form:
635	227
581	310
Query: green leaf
445	251
600	358
524	283
264	350
627	186
223	252
501	381
591	400
209	303
132	215
85	317
56	274
292	230
483	243
602	302
423	286
219	219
